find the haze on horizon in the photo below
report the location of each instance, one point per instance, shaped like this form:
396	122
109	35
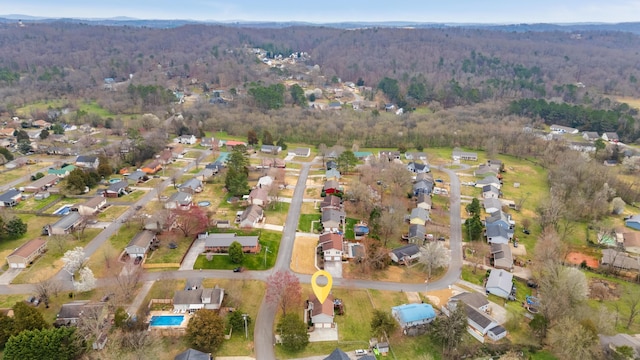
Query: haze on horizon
331	11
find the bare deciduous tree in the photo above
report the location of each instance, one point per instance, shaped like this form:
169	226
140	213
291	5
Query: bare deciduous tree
127	281
433	255
46	289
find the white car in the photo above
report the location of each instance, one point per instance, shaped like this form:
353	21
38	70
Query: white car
361	352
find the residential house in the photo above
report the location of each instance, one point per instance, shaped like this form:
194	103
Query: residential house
489	180
620	260
419	216
417	234
486	169
70	313
499	283
331	164
611	137
192	186
422	187
186	139
87	161
491	205
92	206
42	195
26	254
177	151
628	240
331	187
117	189
65	225
338	354
220	242
270	149
198	298
276	163
62	172
180	200
10	198
210	142
416	168
501	218
490	192
590	135
424	201
234	143
497	234
138	176
34	134
333	220
474	299
251	216
152	167
331	244
321	314
502	258
259	196
633	222
559	129
424	177
7	132
389	155
410	315
265	181
301	151
42	184
332	174
139	245
479	322
419	155
405	254
464	155
192	354
331	202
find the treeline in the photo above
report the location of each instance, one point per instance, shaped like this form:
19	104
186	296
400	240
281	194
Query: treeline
583	118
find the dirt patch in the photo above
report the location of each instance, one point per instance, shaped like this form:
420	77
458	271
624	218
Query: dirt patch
577	258
303	258
601	289
439	297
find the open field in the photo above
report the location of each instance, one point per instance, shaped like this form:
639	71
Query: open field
303	257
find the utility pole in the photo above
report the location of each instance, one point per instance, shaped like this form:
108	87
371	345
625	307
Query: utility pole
266	250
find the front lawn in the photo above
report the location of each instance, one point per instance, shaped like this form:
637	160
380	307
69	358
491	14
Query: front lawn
164	254
306	220
268	240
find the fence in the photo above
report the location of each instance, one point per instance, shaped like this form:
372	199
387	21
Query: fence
161	265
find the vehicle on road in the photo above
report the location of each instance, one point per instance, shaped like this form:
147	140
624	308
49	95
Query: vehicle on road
238	269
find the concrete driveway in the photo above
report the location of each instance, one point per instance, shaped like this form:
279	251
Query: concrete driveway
190	259
318	335
7	277
334	268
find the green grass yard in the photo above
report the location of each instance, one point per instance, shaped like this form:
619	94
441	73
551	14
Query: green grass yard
268	239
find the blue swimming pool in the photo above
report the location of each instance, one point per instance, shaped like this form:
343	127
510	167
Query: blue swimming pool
166	320
63	210
113	181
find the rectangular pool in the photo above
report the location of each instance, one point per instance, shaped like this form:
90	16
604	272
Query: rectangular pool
166	320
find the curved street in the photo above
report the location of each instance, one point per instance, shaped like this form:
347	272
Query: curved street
264	325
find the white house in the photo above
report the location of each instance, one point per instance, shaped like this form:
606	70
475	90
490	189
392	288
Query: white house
491	205
497	234
559	129
405	254
500	283
139	245
490	192
186	139
198	298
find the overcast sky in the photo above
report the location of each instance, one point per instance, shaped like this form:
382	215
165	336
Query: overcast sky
441	11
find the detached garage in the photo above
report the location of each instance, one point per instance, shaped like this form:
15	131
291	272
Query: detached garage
25	254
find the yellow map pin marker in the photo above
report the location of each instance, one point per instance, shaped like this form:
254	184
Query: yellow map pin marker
321	291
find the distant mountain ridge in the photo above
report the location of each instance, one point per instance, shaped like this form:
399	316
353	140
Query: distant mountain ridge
632	27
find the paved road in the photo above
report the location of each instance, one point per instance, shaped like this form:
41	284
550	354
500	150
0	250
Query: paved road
27	178
263	332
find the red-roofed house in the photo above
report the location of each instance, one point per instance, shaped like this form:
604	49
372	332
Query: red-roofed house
331	244
320	314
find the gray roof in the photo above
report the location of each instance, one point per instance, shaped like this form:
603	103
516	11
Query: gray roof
497	330
225	240
500	279
195	296
116	187
191	354
136	175
337	354
491	203
489	180
473	299
193	283
424	198
331	184
142	239
494	230
420	213
192	183
417	230
86	158
252	213
407	250
181	198
332	215
67	221
490	188
502	255
619	259
9	195
478	317
43	181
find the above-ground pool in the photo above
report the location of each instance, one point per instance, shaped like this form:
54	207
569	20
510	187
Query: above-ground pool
166	320
204	203
63	210
113	181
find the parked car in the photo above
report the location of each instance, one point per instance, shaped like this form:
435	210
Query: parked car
238	269
360	352
138	260
526	231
